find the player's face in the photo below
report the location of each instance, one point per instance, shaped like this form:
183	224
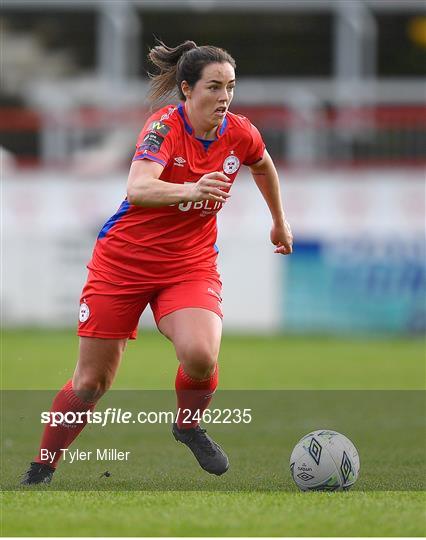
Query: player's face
211	96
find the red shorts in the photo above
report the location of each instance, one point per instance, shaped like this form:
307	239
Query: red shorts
108	310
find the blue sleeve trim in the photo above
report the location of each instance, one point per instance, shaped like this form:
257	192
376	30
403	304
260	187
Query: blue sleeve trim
151	157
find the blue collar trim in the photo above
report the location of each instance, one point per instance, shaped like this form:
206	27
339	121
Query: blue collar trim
223	126
181	112
189	129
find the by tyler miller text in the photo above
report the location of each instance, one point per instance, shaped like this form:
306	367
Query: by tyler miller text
100	454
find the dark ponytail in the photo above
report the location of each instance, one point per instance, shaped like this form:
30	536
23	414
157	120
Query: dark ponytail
182	63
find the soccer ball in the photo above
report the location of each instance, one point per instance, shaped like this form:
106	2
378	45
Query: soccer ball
324	460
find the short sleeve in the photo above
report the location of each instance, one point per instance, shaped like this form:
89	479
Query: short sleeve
256	147
155	141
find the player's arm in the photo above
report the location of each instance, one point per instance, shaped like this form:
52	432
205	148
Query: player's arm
144	187
266	177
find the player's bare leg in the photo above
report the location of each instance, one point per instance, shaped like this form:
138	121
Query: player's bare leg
98	362
196	335
97	365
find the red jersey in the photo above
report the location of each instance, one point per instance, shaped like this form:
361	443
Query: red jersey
155	245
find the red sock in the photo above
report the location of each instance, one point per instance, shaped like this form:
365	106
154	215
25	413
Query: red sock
193	395
62	435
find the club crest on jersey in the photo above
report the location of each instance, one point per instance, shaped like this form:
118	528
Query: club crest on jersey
231	164
84	312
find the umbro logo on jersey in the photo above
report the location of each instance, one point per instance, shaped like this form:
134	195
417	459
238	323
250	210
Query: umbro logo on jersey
179	161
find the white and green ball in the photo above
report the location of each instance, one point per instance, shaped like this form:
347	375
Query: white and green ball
324	460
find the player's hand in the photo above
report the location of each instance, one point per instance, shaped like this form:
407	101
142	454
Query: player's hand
210	187
282	238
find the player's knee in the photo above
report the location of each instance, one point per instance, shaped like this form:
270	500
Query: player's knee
91	388
198	360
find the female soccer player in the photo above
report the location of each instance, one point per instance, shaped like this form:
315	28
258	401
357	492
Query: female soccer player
159	248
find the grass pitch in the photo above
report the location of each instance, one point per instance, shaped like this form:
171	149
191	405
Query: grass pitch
214	514
256	497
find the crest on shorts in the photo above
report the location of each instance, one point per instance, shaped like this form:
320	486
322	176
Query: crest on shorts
231	164
84	312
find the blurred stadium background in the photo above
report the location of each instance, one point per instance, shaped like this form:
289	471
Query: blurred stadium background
337	89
